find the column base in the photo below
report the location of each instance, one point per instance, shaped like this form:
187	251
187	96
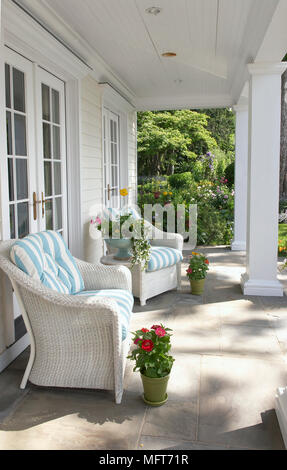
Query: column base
281	411
261	287
238	246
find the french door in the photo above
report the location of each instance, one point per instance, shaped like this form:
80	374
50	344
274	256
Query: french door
111	163
35	163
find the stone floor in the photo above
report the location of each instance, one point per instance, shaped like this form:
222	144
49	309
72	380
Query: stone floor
230	354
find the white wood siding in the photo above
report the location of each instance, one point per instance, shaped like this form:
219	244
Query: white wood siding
132	157
91	150
91	158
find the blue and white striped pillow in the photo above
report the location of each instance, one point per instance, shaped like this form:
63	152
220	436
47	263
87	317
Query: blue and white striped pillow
162	257
45	256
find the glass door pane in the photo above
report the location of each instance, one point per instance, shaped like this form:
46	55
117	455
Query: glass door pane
52	167
17	149
111	159
114	161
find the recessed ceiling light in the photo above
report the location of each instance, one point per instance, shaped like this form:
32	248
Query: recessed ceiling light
153	10
168	54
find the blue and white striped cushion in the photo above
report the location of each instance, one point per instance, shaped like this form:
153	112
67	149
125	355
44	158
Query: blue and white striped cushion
45	256
124	300
162	257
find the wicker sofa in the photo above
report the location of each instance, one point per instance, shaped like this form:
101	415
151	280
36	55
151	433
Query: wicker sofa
76	340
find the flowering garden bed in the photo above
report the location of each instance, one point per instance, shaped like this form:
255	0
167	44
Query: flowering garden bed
214	199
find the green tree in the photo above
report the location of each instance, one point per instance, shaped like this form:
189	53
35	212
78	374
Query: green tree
221	125
171	141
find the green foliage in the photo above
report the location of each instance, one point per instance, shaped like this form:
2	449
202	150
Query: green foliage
181	180
112	228
214	199
282	240
198	267
221	125
140	249
229	173
170	140
151	354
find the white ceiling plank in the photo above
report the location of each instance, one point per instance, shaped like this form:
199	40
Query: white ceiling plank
213	40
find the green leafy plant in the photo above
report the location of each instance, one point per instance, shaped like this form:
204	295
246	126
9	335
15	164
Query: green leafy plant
140	252
113	228
198	266
151	354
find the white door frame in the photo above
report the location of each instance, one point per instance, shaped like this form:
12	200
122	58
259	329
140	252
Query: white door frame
118	105
26	66
41	76
111	200
24	35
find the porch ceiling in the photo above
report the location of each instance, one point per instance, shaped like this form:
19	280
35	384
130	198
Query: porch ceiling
213	40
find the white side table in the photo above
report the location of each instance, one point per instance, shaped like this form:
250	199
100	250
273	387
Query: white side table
111	261
136	272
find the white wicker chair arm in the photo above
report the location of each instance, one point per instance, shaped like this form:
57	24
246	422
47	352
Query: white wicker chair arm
100	276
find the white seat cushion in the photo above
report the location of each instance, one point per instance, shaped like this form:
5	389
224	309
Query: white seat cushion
124	300
45	256
162	257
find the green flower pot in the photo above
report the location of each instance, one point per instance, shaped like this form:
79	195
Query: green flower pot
123	245
155	390
197	286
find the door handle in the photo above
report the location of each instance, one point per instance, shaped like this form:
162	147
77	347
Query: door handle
35	202
109	192
43	205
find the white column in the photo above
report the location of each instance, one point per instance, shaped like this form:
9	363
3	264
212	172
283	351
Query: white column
263	180
241	159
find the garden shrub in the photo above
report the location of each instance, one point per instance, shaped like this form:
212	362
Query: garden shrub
229	173
214	199
181	180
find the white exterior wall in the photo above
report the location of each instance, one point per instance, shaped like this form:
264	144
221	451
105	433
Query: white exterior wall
91	146
132	157
91	158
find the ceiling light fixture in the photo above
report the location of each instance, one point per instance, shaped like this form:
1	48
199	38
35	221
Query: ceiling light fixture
168	54
153	10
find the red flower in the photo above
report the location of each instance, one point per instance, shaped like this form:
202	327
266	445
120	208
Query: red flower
144	330
189	271
154	327
147	345
206	261
160	331
137	340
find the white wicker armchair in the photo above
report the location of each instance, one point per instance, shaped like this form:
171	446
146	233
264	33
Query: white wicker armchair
147	284
76	341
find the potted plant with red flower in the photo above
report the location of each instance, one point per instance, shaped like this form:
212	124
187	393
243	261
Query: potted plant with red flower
154	362
196	272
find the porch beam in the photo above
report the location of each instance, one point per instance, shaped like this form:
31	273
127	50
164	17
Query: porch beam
241	164
260	277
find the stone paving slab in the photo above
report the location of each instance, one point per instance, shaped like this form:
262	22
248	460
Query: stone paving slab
161	443
231	355
237	402
73	419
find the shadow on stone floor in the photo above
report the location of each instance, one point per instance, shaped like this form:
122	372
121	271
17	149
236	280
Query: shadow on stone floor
44	404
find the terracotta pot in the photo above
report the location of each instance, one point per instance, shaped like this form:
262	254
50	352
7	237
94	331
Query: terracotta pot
197	286
155	390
